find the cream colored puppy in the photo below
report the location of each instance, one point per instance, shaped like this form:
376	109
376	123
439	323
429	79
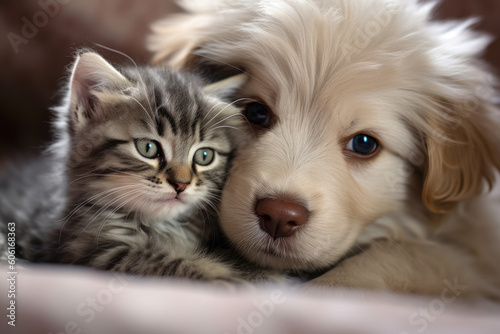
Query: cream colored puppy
373	139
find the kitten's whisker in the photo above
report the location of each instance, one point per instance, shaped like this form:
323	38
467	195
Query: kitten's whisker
230	127
233	102
147	113
248	123
223	109
210	204
137	207
115	210
80	177
126	174
210	111
206	228
92	174
102	194
225	119
104	208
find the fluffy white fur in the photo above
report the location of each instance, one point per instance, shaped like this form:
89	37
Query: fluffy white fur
414	218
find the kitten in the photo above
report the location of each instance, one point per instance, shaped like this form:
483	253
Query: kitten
143	154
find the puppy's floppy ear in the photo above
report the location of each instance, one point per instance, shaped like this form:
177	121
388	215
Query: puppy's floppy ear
463	134
463	152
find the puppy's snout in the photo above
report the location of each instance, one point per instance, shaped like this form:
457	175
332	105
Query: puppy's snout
280	218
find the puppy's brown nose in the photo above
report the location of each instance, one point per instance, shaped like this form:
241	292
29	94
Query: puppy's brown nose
280	218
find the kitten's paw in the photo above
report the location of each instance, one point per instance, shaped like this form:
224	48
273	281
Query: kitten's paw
266	276
213	271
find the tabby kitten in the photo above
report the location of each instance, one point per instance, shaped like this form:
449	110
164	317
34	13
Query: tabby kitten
145	154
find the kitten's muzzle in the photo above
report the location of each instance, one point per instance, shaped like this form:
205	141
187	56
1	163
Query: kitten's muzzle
179	186
280	218
179	177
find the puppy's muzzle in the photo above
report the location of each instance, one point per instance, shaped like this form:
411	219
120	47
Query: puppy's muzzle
280	218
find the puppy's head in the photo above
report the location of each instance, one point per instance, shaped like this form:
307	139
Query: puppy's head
357	110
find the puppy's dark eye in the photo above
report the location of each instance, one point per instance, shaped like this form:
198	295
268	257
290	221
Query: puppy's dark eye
258	114
362	144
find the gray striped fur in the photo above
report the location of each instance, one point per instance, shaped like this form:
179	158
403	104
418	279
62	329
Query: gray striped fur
105	111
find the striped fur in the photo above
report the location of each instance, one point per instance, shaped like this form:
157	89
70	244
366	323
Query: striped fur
123	211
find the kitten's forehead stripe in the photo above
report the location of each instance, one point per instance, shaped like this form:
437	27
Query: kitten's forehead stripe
163	112
159	126
184	123
158	99
196	120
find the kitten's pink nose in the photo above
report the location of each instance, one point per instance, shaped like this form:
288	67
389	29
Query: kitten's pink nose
179	186
280	218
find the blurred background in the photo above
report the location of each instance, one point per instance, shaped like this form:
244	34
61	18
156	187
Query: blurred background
34	56
39	37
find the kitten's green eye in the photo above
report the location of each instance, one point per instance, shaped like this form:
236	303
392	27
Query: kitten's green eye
204	156
147	148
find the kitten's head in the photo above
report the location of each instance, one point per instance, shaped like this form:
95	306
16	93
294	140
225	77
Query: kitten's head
145	140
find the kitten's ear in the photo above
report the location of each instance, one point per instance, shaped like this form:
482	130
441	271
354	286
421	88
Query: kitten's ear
91	76
224	89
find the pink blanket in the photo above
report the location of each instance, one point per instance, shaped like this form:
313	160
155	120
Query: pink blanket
62	299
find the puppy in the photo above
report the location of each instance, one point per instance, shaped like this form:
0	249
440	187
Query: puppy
372	145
